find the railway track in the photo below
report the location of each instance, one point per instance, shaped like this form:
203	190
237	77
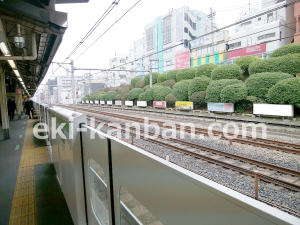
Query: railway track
259	142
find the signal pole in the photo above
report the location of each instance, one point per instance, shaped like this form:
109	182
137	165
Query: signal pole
211	17
150	68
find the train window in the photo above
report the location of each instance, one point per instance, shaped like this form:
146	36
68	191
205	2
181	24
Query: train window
133	212
98	192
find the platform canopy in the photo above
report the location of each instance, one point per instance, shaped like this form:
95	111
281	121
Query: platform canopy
42	29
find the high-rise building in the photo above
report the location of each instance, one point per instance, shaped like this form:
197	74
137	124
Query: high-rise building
262	34
175	28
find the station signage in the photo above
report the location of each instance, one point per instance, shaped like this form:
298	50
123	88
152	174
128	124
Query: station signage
160	104
220	107
118	102
184	105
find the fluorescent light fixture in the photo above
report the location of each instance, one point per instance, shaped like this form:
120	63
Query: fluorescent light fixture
4	49
20	79
12	64
17	73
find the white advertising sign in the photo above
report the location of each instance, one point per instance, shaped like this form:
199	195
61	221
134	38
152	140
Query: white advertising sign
91	102
207	40
220	107
87	101
142	103
96	102
273	110
109	102
118	102
102	102
129	103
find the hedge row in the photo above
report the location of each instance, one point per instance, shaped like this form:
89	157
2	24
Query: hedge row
289	63
292	48
230	71
198	84
154	78
245	61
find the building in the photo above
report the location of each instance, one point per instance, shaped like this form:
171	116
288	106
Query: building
204	51
297	16
260	35
174	28
124	61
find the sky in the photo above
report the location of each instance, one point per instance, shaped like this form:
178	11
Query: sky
120	38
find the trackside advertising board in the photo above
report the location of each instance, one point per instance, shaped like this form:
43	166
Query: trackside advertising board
273	110
87	101
141	103
102	102
159	104
96	102
220	107
118	102
109	102
129	103
91	102
184	105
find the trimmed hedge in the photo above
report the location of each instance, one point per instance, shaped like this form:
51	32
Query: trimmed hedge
149	94
230	71
168	83
180	90
102	97
146	87
286	64
293	48
134	93
86	97
124	97
214	89
172	75
162	77
198	98
124	88
245	61
259	84
199	84
140	84
186	74
285	92
205	70
134	81
234	93
110	96
142	97
160	93
170	100
154	78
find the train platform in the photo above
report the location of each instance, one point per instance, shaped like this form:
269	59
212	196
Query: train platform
29	190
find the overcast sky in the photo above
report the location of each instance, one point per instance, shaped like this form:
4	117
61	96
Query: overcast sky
81	17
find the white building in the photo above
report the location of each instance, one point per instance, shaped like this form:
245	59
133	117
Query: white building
124	61
262	34
64	88
161	35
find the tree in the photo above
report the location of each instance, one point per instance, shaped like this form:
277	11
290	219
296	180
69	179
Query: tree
205	70
140	84
245	61
259	84
186	74
198	98
293	48
230	71
110	96
199	84
142	97
172	75
214	89
168	83
234	93
162	77
134	93
134	81
180	90
154	78
170	100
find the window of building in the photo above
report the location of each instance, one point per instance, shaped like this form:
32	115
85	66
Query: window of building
246	23
168	62
259	19
167	37
168	50
266	36
235	45
249	42
150	38
270	17
186	30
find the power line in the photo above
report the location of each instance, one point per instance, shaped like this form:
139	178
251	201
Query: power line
217	30
108	29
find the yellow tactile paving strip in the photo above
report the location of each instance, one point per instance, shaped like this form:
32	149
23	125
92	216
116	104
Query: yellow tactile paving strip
23	209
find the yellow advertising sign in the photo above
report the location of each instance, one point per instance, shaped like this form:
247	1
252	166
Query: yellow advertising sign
184	105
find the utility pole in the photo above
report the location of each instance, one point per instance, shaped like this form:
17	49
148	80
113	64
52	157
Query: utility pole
150	68
211	17
73	85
